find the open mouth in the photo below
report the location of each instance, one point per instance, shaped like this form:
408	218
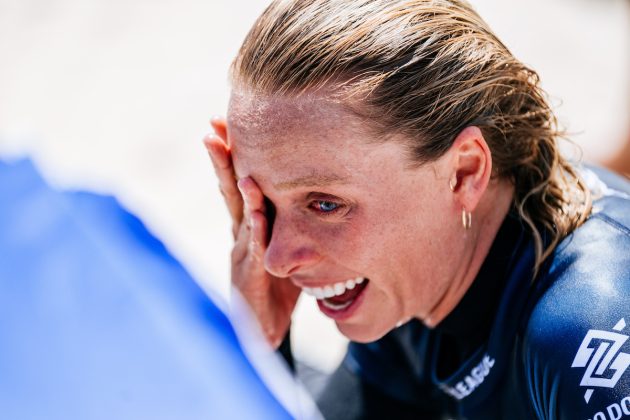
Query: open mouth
338	298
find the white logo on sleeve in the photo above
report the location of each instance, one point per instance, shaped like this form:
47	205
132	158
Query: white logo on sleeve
599	353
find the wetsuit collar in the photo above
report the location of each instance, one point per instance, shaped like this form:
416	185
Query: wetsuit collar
469	323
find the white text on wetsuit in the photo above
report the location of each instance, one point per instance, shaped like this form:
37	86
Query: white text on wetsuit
615	410
464	388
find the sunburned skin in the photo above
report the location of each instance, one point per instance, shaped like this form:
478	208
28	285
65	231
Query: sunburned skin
269	115
349	207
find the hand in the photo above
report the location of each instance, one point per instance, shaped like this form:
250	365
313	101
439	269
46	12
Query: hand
271	298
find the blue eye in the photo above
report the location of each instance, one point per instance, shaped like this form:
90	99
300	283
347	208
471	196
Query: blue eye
326	206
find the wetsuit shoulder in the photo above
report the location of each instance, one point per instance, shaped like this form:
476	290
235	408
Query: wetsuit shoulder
576	352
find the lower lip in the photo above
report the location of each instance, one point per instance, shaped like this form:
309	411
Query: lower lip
345	313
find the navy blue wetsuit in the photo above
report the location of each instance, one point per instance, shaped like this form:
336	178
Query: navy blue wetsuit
556	348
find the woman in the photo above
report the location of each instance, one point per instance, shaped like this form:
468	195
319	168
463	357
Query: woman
392	159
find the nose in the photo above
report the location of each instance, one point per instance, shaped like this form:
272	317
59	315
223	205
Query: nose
290	248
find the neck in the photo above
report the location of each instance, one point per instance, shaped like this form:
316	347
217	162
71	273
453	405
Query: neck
487	220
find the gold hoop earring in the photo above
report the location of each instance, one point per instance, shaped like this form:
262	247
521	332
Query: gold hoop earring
466	219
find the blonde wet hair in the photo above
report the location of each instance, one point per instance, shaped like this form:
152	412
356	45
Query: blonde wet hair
425	69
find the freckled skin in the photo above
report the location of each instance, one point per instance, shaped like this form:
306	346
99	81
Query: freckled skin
400	227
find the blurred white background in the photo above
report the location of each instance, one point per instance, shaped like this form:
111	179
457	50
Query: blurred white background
115	96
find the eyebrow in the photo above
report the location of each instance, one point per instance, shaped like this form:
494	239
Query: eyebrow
317	180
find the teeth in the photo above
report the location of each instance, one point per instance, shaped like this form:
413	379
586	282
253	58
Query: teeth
318	293
336	307
339	289
331	290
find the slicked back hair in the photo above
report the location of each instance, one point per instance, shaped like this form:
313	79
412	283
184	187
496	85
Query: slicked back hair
426	69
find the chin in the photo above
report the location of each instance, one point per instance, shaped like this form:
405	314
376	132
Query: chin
363	333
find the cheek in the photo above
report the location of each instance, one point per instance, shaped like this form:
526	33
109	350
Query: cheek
410	240
343	240
347	243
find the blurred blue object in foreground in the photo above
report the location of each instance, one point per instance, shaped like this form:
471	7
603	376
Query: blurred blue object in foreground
99	321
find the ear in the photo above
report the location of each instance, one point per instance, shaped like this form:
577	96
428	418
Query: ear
470	167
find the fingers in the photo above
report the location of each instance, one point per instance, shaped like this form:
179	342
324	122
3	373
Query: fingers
224	169
258	239
252	195
254	213
252	238
241	244
254	208
220	127
252	235
218	151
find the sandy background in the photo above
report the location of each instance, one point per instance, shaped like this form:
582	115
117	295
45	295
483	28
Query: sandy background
115	96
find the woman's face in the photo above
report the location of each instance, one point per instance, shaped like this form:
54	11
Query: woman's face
347	207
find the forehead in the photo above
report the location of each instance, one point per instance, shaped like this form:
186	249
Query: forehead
284	141
280	139
258	120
